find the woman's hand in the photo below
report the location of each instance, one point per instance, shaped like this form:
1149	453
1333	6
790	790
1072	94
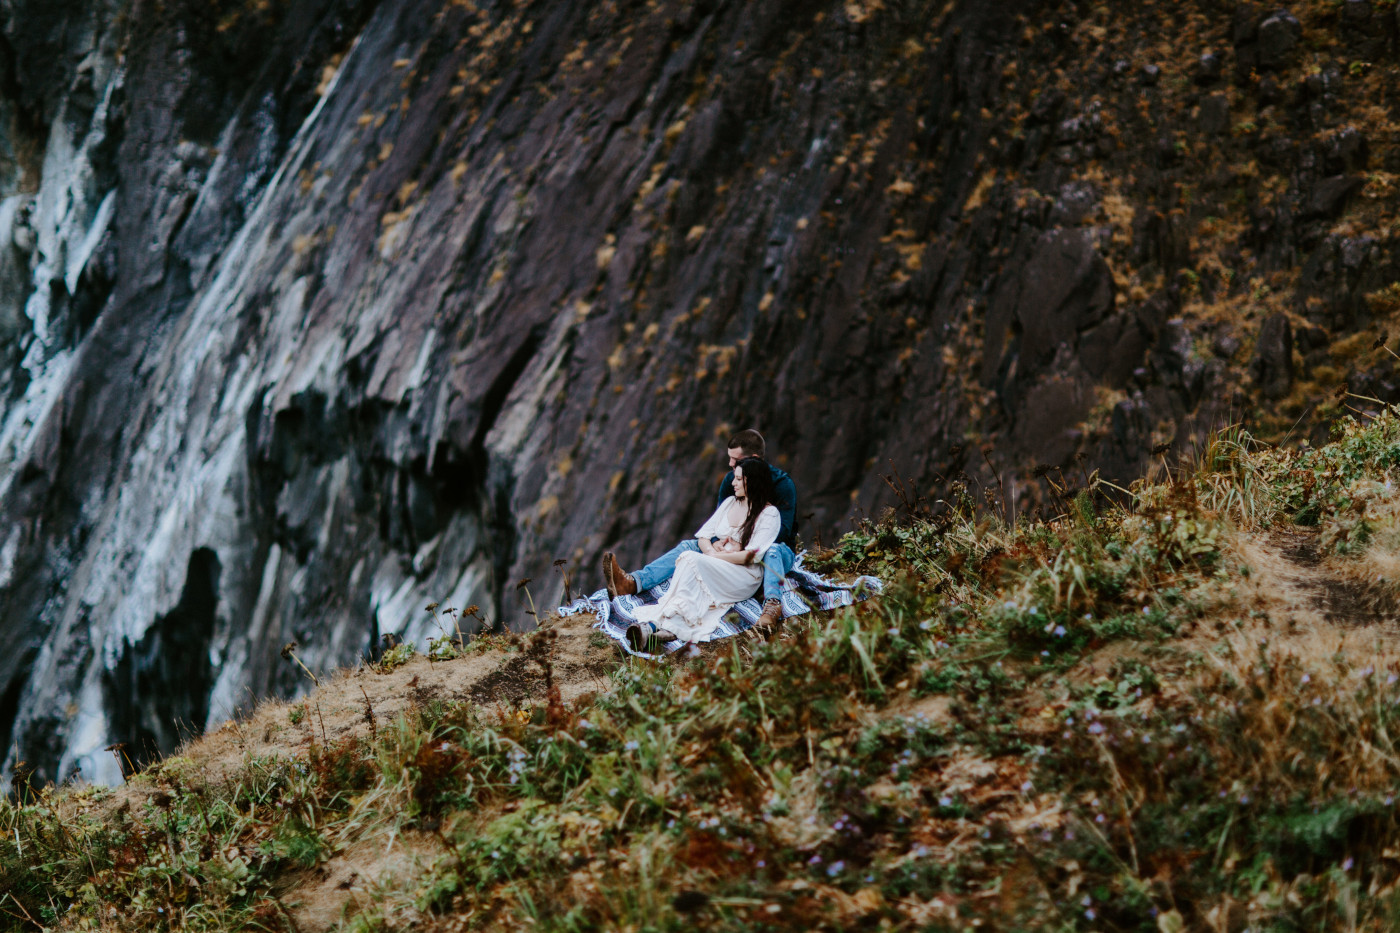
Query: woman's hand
706	545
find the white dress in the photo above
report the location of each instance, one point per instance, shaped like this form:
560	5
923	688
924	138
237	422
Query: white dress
704	587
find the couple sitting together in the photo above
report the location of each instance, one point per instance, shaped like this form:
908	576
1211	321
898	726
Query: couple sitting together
750	538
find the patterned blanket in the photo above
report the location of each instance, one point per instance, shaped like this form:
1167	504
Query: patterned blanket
803	591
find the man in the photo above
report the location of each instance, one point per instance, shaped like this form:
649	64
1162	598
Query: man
777	560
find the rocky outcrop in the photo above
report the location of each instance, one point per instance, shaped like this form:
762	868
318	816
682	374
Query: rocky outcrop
315	313
1272	363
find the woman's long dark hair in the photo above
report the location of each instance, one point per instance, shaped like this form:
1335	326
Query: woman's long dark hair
758	491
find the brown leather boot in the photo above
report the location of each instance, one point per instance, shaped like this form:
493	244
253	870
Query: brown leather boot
618	582
772	615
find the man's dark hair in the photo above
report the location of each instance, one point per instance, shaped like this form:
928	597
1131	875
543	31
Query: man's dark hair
750	442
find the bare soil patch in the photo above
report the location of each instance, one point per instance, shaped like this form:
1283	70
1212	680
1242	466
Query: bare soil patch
1343	597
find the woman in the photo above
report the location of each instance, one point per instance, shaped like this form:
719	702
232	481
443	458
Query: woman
728	567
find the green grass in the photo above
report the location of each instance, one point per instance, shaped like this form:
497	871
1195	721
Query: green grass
937	755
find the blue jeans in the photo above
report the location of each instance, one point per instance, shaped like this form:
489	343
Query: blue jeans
777	561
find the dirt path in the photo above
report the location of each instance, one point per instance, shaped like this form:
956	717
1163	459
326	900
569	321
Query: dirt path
1284	593
498	675
1343	599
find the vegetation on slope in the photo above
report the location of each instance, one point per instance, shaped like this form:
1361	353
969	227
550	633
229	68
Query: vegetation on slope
1162	714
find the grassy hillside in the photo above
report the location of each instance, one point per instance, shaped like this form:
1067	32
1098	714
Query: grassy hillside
1167	708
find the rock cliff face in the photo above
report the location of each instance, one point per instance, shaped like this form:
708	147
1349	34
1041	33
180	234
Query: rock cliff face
314	313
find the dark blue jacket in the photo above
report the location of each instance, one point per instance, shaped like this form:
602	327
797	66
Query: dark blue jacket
786	502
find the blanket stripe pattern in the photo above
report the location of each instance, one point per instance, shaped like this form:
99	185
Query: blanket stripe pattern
802	592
